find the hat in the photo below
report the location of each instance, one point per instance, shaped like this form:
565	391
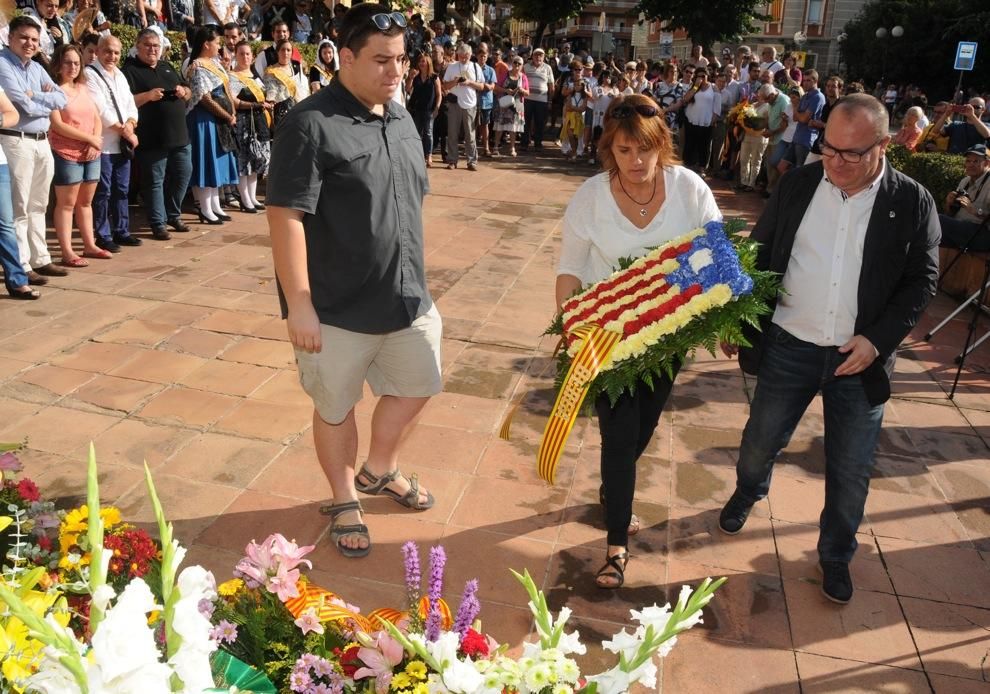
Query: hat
978	149
589	61
539	50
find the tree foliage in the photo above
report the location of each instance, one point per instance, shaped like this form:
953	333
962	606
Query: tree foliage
545	13
710	21
925	54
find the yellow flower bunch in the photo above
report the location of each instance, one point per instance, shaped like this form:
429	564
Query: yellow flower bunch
229	589
76	524
412	680
22	653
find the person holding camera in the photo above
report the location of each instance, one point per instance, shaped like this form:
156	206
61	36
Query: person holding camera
969	131
968	206
164	155
463	80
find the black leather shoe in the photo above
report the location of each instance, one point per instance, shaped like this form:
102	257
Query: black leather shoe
108	245
837	584
124	241
249	210
734	514
24	293
259	207
51	270
160	234
178	225
223	217
203	219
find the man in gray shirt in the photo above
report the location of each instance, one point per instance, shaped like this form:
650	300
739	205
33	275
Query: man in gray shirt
345	195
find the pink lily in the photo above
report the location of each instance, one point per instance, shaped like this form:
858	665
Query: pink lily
380	660
308	621
283	583
287	552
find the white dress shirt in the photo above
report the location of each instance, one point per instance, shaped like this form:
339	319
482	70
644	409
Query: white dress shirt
104	104
819	302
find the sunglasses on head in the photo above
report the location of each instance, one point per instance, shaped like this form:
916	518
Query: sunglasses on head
384	21
626	111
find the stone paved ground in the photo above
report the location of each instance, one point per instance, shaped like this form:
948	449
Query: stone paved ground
173	353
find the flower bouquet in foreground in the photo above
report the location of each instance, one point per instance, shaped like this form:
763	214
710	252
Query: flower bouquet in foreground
695	291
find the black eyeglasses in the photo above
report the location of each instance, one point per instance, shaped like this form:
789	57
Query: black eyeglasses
385	21
626	111
850	156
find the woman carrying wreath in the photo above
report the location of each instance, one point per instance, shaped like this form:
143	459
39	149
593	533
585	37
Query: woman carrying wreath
211	120
284	87
643	199
253	129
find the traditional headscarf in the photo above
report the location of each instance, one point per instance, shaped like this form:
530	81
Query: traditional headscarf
332	68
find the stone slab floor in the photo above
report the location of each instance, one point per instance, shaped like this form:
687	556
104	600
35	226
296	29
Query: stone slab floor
172	353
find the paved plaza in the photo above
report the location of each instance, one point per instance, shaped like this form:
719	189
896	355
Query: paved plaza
173	353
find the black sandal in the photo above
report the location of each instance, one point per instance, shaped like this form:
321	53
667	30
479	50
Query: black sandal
379	486
338	532
634	522
615	567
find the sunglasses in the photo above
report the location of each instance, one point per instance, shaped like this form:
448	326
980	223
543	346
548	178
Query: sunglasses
385	21
645	110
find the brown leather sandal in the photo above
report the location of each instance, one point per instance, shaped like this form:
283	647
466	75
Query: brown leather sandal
614	568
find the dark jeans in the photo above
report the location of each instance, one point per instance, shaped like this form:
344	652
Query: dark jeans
535	113
424	126
626	431
165	175
959	233
111	218
697	145
791	373
10	259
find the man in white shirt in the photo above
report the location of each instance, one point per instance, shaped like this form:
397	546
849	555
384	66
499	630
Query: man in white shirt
464	79
769	61
537	104
857	244
112	96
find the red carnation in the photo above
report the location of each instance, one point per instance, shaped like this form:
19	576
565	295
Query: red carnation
45	543
474	644
28	490
350	662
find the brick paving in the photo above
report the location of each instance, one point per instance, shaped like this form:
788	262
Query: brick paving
173	353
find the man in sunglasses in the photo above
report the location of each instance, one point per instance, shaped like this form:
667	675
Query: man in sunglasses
345	194
857	245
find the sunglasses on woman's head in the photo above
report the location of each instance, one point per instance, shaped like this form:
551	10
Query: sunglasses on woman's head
644	110
384	21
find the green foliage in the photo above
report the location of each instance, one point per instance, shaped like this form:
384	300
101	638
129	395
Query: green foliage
723	324
924	55
545	12
711	21
939	172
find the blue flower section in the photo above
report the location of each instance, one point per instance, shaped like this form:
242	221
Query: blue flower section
725	268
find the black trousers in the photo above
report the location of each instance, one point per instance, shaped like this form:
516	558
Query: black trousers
697	145
536	121
626	431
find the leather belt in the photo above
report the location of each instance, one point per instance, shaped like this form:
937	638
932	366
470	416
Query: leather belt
30	136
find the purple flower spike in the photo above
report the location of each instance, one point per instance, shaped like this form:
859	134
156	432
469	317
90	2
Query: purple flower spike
410	555
469	608
438	559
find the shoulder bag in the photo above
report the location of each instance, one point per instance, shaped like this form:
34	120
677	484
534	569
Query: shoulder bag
126	148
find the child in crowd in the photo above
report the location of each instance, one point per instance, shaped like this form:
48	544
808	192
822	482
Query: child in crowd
574	107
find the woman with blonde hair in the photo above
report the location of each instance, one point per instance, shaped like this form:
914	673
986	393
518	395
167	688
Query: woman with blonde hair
425	95
76	139
910	131
253	129
643	199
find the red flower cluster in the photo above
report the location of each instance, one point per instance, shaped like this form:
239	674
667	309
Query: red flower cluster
665	309
474	644
28	490
133	551
349	660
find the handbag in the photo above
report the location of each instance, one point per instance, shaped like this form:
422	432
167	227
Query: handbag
126	148
506	100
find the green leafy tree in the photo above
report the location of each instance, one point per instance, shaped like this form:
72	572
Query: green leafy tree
545	13
925	54
709	21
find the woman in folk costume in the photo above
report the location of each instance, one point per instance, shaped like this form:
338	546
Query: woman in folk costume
284	86
253	129
324	67
211	120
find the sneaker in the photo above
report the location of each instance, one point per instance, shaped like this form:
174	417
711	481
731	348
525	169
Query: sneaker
122	241
837	584
160	234
472	166
108	245
734	514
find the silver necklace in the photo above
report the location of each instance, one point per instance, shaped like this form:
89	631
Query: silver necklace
643	205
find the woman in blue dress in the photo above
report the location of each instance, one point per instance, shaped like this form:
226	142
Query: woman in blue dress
210	116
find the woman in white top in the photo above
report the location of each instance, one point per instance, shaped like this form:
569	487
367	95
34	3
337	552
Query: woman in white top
642	200
703	103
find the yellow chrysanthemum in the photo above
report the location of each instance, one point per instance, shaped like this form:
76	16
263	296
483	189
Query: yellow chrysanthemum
421	688
416	669
229	588
400	681
75	521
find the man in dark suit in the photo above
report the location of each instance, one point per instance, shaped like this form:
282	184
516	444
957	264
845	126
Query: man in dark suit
857	245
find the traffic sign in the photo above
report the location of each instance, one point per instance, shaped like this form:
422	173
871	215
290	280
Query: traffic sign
966	55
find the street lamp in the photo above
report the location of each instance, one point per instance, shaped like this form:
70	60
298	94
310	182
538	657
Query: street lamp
881	34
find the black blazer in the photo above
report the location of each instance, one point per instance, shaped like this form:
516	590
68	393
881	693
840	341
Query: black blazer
900	262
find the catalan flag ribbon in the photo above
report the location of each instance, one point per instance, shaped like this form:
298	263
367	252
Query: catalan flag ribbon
597	345
324	605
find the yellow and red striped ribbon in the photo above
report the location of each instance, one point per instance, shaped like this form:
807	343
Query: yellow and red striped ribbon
593	354
321	602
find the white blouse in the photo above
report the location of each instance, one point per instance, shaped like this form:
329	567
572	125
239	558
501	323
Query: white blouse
596	233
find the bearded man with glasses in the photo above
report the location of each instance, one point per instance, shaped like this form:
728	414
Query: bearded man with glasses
345	194
857	244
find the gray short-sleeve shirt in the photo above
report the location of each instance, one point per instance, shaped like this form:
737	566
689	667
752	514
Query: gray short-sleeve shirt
360	180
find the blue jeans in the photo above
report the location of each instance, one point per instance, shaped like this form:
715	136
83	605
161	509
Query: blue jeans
165	175
10	259
800	153
424	126
111	218
791	374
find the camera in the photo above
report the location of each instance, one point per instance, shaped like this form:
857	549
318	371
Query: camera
956	205
168	94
